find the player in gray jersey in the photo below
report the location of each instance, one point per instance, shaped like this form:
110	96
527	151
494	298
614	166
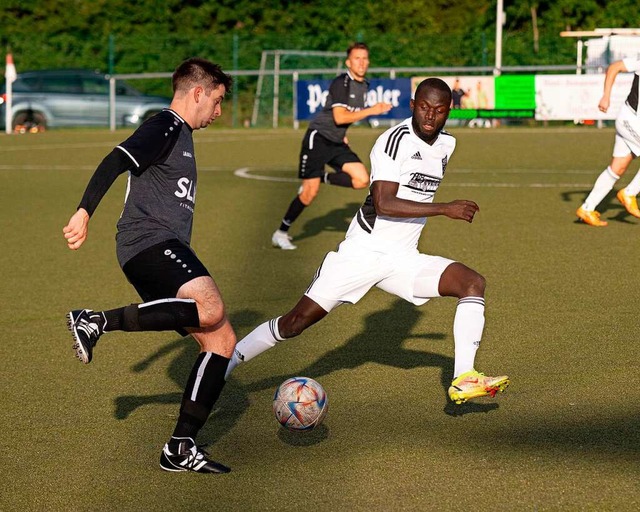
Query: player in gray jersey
380	249
153	249
326	143
625	149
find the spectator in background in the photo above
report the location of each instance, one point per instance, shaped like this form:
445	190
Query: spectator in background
481	96
467	101
457	93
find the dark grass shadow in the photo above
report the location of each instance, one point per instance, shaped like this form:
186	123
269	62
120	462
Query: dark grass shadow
578	196
381	342
455	410
335	221
609	203
617	436
309	438
232	402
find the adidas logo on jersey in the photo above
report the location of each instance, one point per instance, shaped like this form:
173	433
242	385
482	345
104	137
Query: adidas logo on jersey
417	156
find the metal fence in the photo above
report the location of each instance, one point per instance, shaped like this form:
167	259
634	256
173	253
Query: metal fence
266	96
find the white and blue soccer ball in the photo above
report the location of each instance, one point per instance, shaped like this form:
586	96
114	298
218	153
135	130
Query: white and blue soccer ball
300	403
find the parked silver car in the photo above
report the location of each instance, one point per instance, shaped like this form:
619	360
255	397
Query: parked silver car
58	98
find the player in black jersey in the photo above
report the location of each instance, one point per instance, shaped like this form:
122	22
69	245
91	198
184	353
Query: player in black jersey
325	142
153	249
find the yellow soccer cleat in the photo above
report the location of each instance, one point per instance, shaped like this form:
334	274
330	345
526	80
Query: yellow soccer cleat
474	384
629	202
590	217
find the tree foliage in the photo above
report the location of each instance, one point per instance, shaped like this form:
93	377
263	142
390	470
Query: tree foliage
152	35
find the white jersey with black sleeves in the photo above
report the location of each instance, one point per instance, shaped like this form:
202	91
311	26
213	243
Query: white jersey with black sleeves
400	156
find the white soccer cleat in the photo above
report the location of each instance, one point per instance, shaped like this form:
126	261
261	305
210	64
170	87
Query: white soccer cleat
282	240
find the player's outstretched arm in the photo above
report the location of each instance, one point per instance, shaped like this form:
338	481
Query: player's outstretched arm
342	116
387	203
77	229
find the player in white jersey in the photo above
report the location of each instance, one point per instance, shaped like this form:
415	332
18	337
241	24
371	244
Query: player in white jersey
408	163
625	149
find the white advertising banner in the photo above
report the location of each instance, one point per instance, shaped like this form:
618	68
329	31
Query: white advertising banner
576	97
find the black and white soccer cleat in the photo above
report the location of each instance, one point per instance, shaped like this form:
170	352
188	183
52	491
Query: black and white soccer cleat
184	455
86	329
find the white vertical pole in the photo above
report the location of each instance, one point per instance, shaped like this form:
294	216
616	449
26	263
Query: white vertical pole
256	101
296	123
499	22
579	46
10	75
276	88
112	104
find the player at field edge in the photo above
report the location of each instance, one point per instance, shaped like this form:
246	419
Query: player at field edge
325	142
626	148
380	249
153	249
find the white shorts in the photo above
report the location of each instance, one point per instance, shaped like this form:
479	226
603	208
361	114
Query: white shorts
627	133
348	274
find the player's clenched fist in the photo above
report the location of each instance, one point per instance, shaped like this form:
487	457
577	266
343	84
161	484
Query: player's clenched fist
76	230
462	209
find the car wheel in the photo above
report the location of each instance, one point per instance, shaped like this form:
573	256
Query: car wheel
29	121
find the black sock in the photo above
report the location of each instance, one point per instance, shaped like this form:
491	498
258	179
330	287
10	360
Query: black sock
200	394
294	211
160	315
340	179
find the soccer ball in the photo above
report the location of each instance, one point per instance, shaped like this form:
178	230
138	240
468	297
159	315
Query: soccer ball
300	403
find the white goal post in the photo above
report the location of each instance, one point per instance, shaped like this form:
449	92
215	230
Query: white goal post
277	56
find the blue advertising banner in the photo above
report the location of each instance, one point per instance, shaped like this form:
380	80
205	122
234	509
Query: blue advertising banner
312	95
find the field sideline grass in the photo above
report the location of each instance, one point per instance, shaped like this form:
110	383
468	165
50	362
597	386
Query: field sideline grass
562	312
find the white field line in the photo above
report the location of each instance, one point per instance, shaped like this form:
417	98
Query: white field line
114	143
248	173
245	172
230	135
44	167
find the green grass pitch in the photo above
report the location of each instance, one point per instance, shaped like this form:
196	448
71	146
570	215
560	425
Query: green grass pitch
562	321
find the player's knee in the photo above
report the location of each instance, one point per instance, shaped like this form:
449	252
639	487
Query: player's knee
307	196
475	284
211	317
358	183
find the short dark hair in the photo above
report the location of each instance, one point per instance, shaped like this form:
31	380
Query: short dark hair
197	71
433	83
356	46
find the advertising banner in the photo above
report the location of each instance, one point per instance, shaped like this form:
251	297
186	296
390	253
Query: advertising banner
312	95
515	92
576	97
470	94
565	97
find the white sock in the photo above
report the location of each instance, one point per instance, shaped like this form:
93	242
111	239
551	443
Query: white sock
603	185
633	188
261	339
467	332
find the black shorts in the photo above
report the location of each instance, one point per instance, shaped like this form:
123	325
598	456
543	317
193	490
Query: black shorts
317	151
159	271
